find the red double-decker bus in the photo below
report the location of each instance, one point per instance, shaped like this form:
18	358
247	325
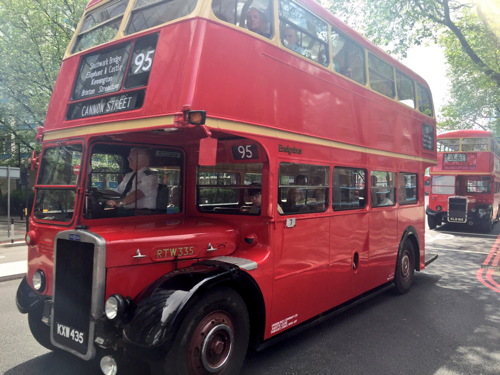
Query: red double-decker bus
465	185
215	174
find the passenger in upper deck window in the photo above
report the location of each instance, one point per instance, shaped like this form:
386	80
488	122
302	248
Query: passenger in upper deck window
258	23
347	71
291	40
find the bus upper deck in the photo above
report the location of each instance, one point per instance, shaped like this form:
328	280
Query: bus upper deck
148	71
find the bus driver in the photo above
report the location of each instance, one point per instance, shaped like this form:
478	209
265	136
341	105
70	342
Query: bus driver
140	185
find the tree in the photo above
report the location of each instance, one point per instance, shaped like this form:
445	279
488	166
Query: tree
471	47
33	38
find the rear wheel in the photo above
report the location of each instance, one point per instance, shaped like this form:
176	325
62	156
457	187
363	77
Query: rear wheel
213	337
405	268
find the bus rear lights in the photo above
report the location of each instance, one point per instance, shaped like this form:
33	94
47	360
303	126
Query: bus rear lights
39	281
30	238
115	307
439	208
108	365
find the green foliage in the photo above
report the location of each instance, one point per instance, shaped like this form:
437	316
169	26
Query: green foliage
475	97
472	49
33	38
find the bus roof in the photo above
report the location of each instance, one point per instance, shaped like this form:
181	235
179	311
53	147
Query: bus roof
468	133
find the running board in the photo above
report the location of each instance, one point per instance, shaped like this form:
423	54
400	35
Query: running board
430	260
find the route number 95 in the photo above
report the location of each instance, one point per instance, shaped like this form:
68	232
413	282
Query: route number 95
245	152
143	61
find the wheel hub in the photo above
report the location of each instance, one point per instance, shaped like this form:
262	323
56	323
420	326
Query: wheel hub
211	344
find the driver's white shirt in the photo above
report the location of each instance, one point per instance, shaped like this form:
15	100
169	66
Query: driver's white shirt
147	182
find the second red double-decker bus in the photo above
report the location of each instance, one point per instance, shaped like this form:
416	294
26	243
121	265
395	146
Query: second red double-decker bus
465	185
215	174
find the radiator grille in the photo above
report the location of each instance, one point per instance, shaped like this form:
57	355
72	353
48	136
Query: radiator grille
457	210
73	288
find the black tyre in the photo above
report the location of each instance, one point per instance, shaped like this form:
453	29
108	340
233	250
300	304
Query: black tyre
39	330
432	222
486	225
213	337
405	268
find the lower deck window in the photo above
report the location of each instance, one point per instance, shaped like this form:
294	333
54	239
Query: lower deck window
303	188
349	188
229	188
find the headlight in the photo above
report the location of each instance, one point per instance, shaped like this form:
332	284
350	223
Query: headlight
114	307
30	238
439	208
482	212
39	281
108	365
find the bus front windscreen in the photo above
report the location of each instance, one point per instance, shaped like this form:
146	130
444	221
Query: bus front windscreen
443	185
56	186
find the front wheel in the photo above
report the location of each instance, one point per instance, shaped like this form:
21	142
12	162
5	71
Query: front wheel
39	330
486	225
213	337
405	268
432	222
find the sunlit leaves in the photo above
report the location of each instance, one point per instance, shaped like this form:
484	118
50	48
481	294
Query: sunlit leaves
33	37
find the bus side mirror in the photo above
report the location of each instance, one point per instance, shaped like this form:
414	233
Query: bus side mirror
207	151
35	161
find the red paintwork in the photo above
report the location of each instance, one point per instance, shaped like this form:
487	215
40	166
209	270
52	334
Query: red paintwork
304	270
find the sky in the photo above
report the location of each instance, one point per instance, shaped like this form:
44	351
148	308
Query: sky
429	63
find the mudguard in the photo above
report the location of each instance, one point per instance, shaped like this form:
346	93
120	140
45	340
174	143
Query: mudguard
27	298
430	212
411	234
161	307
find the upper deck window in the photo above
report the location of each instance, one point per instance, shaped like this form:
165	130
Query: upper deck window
254	15
475	144
348	58
447	145
381	76
303	32
101	25
151	13
424	100
406	89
